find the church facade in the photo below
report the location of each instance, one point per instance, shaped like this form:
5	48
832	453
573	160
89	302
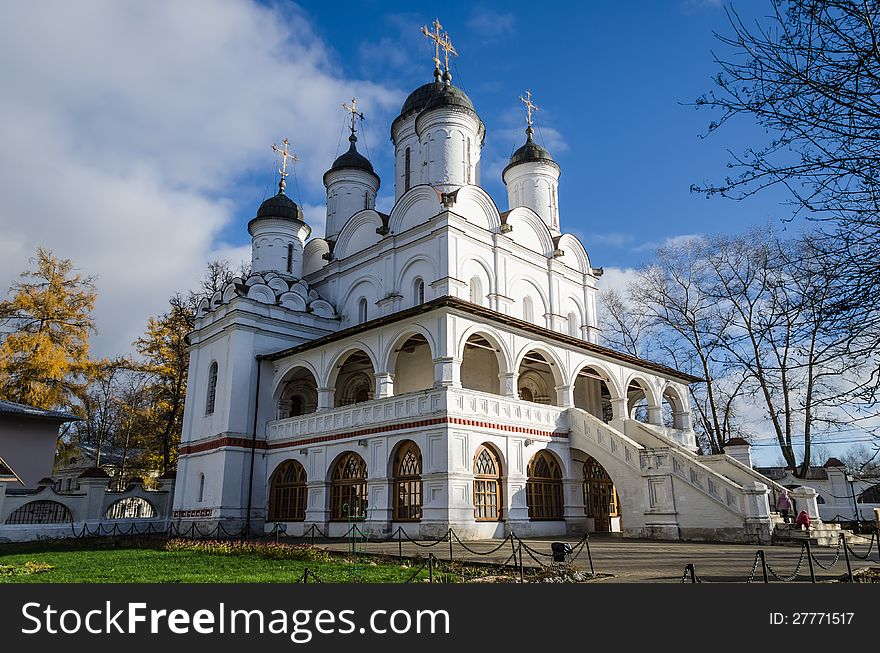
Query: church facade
439	366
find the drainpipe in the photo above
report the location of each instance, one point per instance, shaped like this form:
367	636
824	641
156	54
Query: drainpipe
259	359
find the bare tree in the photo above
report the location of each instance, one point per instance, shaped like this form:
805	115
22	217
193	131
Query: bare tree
809	73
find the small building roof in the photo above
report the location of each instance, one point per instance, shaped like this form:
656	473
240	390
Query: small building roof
833	462
6	473
16	409
737	442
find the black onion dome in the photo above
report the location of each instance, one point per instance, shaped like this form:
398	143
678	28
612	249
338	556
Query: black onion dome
352	159
279	206
530	152
448	96
419	97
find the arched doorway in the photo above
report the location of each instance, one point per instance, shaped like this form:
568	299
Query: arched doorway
544	487
299	394
348	488
601	502
479	365
356	380
407	481
413	365
592	393
536	380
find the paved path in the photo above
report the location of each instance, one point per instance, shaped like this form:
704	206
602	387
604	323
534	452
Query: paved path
648	561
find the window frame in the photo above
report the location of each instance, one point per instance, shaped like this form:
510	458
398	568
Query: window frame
483	484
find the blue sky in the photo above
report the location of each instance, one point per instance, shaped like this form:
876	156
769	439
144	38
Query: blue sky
612	81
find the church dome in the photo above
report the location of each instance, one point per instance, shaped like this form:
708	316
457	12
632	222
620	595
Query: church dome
419	97
529	153
449	96
279	206
352	159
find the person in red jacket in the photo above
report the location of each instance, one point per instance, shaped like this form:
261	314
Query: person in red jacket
803	520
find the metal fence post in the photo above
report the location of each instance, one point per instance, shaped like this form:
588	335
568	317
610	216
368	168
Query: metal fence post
449	535
810	559
520	563
399	544
690	567
846	556
590	556
763	564
430	567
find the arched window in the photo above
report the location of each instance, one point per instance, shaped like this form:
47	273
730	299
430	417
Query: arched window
130	508
418	292
544	487
212	389
348	488
40	512
487	485
528	309
362	310
201	487
476	291
573	325
408	482
287	492
468	162
406	171
289	258
600	497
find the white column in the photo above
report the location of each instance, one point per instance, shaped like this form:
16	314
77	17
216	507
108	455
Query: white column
447	372
384	385
325	399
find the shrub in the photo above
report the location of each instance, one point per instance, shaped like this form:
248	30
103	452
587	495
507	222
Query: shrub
271	550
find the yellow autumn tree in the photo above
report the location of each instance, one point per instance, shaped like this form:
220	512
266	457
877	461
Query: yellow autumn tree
166	359
44	341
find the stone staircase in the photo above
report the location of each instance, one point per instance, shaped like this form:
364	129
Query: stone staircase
820	534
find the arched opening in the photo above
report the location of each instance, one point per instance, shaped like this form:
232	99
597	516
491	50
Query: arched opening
407	482
299	394
601	502
356	380
413	366
201	487
418	292
536	381
212	389
362	310
287	492
40	512
479	365
348	488
487	485
593	394
406	170
544	487
637	403
674	413
130	508
476	291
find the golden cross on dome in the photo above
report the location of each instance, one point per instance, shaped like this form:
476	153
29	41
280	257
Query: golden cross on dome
527	100
437	37
448	49
285	155
354	113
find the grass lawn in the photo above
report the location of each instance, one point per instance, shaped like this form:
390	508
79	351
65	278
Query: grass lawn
78	563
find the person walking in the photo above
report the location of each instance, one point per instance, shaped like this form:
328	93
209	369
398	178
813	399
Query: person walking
784	505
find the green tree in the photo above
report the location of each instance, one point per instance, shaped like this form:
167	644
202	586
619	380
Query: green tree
44	353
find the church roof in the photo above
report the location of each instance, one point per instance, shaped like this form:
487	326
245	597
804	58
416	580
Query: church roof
352	159
279	206
449	96
529	152
417	100
482	311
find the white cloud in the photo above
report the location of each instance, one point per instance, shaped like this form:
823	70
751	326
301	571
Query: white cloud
128	129
672	241
611	239
489	25
614	278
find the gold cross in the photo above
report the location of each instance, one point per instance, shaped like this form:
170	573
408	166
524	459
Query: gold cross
285	154
354	113
448	49
435	36
527	100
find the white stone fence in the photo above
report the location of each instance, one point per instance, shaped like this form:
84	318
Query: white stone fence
43	513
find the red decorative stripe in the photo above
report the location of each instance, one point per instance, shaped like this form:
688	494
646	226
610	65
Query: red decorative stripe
389	428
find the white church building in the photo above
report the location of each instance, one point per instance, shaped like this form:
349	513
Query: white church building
439	366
